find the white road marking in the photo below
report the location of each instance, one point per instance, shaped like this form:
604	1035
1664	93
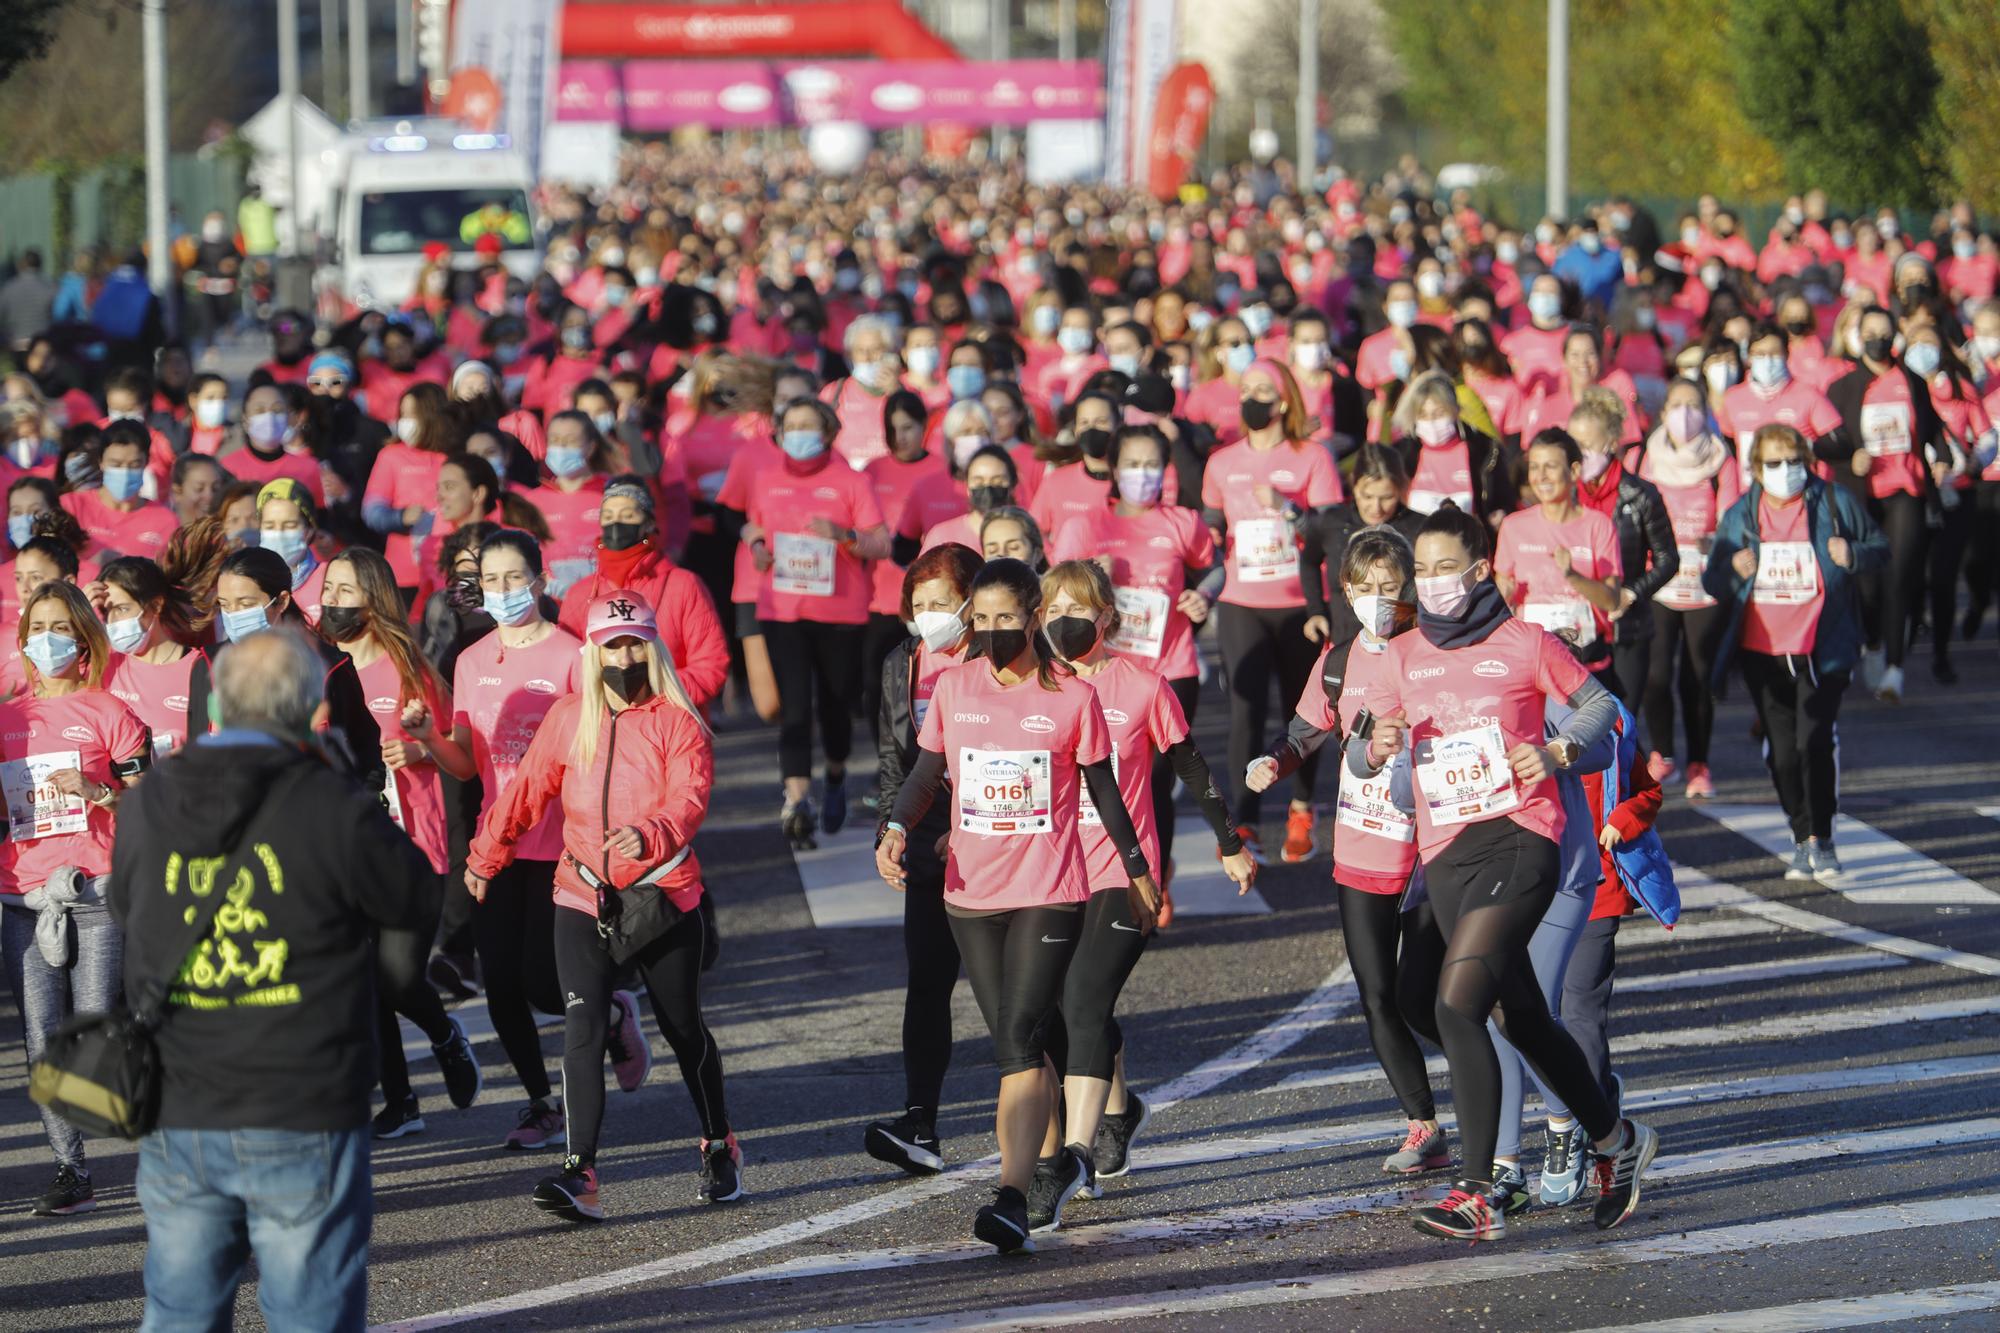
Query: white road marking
1461	1269
1200	887
1698	890
1875	867
1737	974
840	883
1325	1003
1839	1312
1697	930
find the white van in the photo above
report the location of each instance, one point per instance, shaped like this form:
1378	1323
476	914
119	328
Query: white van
406	184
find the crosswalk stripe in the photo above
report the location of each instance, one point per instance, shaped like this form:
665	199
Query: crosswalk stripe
1839	1312
1694	930
1200	887
1698	890
1875	867
1177	1229
1737	974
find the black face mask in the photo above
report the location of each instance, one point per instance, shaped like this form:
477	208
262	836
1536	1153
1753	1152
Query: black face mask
626	681
344	623
999	646
1072	636
1257	413
1095	443
986	499
1878	349
1799	328
622	536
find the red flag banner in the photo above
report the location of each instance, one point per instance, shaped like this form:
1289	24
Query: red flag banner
1180	123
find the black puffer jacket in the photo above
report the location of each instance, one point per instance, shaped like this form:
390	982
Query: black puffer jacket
896	753
1647	549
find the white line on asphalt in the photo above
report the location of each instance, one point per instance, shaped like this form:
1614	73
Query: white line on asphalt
1875	867
1699	890
1200	887
840	883
1737	974
1839	1312
1696	930
1460	1270
1328	1001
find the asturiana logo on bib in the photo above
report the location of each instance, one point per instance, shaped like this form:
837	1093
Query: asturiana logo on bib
1490	668
1038	724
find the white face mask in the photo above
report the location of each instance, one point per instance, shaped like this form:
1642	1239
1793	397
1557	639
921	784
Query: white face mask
408	429
1309	356
1784	480
210	412
1377	615
938	629
1447	594
1436	430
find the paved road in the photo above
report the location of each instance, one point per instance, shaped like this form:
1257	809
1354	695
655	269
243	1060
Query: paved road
1820	1067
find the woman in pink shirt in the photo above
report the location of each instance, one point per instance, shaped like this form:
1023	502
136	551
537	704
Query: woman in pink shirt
1020	735
574	473
810	527
914	488
115	513
363	616
990	485
1559	563
67	749
1466	696
1967	431
402	485
874	368
1770	392
288	523
273	447
150	624
1014	430
1550	403
1255	496
1225	351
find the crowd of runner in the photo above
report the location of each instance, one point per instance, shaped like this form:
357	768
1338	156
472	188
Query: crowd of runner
1006	472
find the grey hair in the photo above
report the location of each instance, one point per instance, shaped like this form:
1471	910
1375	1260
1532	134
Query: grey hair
891	335
271	680
955	417
1431	386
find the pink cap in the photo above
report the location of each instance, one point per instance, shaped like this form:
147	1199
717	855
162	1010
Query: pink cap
617	614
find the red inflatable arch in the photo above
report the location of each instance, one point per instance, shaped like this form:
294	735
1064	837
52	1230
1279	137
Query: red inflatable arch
879	28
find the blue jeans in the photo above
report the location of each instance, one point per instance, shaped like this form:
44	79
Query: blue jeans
92	983
1550	949
301	1202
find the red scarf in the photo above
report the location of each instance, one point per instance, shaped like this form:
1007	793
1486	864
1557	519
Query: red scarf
1602	494
618	566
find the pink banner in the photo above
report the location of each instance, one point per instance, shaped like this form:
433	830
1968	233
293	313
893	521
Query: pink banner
661	94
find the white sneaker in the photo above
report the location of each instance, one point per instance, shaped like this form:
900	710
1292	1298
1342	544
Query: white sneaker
1890	690
1871	668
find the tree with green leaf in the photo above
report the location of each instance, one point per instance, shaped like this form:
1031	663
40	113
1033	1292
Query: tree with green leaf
1846	89
27	27
1965	41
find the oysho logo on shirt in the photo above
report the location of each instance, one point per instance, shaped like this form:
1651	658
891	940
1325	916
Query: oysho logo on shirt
1038	724
491	680
1425	673
1490	668
971	717
78	733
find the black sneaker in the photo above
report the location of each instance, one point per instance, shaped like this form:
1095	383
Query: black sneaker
796	822
1467	1213
70	1194
573	1193
1113	1150
1942	671
833	805
399	1118
1057	1179
1618	1175
908	1142
1003	1224
721	1171
1510	1189
462	1077
455	975
1090	1189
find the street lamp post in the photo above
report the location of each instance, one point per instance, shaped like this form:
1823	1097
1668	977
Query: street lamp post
160	257
1557	201
1308	108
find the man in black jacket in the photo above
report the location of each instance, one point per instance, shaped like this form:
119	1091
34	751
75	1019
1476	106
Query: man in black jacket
267	1050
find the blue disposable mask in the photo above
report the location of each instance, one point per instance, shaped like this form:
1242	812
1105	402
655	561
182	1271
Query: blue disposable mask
1239	358
123	483
51	653
803	445
1922	359
566	460
1125	363
512	607
125	635
922	361
240	625
1545	306
20	529
1075	341
1257	319
966	381
290	543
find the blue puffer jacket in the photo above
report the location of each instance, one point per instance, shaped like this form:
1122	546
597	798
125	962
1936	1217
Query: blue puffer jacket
1830	512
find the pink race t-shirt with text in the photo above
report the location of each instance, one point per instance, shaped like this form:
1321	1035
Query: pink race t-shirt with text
158	694
48	828
1542	594
1150	554
500	695
1263	551
417	802
813	577
1789	588
1145	720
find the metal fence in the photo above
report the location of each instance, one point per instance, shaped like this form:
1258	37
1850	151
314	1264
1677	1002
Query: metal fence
62	212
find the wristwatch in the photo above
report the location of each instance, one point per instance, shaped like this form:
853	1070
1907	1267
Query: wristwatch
1564	751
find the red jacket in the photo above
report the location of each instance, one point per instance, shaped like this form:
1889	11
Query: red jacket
652	770
689	627
1634	815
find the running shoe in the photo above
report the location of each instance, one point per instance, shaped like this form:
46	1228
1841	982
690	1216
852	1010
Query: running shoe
1423	1150
1090	1188
796	822
1298	836
909	1142
1661	766
454	974
1890	690
625	1042
1003	1224
1942	671
1873	661
71	1193
1057	1179
1112	1154
1251	843
1464	1214
540	1124
1825	864
721	1171
1563	1167
398	1119
833	808
1619	1174
463	1080
1618	1094
572	1193
1510	1188
1801	866
1700	786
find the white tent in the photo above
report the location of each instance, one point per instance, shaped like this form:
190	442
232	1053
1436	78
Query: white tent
319	147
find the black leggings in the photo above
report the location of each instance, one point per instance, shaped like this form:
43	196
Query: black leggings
461	808
671	969
1187	690
400	959
1586	998
1257	643
1395	956
878	639
514	931
816	665
1947	554
1016	961
1982	560
1632	663
1889	597
932	953
1684	648
1800	710
1490	887
1086	1042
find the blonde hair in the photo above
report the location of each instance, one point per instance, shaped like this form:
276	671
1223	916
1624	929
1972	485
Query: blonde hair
1432	385
1086	582
1600	405
660	676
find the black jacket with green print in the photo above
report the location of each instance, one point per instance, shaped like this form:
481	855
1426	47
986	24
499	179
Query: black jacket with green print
270	1015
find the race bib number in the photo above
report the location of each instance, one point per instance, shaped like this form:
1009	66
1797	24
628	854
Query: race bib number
562	573
1787	574
1571	620
1465	777
1684	588
1367	807
164	743
36	807
1429	502
801	564
1885	429
1265	552
1003	792
1142	621
1086	809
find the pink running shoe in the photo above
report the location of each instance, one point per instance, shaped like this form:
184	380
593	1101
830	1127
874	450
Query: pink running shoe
625	1043
540	1126
1700	786
1661	765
